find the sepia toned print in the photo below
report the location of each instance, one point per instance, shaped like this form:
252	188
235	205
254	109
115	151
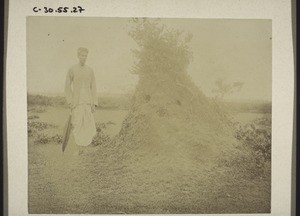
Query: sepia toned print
156	115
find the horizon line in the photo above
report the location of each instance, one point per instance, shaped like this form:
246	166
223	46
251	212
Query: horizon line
128	93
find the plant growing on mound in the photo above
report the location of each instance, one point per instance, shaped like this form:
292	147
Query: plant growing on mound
162	50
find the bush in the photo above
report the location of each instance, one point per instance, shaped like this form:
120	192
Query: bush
39	126
45	139
34	127
31	132
257	136
100	127
100	138
37	109
32	117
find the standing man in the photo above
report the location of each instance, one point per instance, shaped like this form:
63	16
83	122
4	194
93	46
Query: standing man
81	95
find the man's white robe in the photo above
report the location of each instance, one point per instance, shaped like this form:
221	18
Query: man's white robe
81	93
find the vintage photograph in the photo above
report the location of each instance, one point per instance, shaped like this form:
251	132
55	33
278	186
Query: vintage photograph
149	115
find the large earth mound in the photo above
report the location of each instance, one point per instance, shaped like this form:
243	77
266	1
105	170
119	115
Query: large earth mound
170	122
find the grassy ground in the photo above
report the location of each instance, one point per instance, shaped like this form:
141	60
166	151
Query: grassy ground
95	182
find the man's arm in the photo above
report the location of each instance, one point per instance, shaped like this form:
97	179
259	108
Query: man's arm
68	88
94	90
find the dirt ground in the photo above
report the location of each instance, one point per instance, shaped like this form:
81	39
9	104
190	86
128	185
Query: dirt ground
95	182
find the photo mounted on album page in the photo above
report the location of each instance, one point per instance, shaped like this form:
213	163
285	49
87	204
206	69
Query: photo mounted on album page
126	107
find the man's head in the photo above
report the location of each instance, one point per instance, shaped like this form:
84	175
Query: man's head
82	54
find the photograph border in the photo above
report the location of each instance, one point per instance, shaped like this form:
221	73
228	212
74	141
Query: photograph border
282	83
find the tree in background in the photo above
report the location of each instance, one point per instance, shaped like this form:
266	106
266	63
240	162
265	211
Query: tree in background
225	89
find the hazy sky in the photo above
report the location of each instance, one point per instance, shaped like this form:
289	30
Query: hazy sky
234	50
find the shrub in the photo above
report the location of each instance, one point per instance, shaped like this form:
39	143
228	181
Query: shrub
37	109
34	127
45	139
257	136
100	127
32	117
31	132
39	126
100	138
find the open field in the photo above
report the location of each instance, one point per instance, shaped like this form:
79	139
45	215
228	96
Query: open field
95	182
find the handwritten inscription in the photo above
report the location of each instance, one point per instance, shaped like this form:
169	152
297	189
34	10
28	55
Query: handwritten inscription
77	9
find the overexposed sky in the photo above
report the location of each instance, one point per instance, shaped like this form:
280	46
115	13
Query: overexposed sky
234	50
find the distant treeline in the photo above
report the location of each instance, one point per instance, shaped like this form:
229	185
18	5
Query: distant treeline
43	100
123	102
103	102
249	107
